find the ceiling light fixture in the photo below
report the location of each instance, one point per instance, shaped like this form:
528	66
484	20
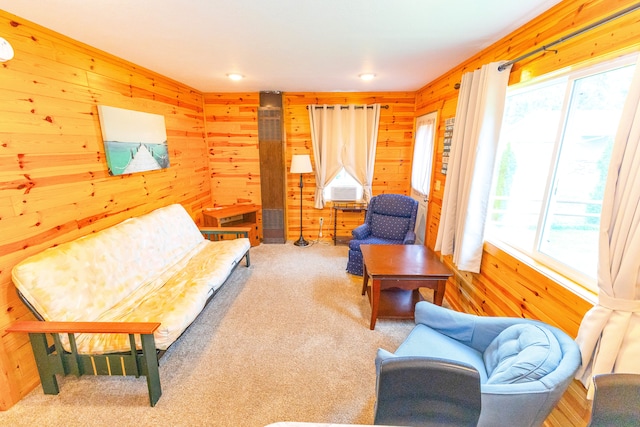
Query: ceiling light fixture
6	51
367	76
235	76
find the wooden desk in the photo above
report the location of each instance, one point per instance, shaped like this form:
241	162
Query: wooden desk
234	216
345	207
397	272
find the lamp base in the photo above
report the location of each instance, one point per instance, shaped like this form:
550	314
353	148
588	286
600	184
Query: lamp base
301	242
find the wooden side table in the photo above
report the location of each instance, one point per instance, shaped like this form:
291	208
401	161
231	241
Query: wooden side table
397	272
234	216
345	207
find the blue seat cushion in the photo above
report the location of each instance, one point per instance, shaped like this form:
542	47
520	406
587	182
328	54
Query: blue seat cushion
520	354
354	244
426	342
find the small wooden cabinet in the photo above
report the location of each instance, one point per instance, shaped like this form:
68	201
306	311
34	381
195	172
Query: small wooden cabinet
234	216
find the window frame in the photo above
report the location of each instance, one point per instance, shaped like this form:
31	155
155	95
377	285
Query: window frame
534	257
425	154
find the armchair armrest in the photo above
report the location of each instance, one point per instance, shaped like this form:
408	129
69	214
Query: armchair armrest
361	232
409	238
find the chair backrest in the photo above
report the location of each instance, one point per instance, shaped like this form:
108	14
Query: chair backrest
390	216
616	401
452	397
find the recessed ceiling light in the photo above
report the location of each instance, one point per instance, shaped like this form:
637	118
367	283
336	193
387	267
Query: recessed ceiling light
235	76
367	76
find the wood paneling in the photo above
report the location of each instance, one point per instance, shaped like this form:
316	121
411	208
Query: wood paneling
232	138
233	152
506	286
54	183
232	143
393	156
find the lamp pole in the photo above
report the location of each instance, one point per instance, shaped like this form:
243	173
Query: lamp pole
301	163
301	241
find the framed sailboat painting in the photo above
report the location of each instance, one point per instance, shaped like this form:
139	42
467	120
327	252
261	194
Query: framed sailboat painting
134	141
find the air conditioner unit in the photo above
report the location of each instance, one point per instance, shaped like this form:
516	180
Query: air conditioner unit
344	194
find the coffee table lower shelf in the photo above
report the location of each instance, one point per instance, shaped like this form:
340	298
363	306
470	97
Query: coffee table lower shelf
397	303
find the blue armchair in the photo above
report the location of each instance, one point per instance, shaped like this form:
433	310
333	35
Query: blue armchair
390	220
525	366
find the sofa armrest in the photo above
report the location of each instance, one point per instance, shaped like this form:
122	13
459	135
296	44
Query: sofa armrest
38	327
52	359
409	238
361	232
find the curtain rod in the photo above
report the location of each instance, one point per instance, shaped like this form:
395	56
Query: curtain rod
571	35
344	107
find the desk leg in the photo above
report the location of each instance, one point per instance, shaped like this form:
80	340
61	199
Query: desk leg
438	292
375	302
335	227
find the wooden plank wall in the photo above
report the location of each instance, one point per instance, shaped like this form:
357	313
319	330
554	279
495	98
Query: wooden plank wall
232	144
506	286
392	170
234	164
54	184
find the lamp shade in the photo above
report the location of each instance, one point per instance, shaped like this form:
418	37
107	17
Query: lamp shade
301	163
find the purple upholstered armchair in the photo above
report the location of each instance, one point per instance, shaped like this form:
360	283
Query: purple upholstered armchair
390	220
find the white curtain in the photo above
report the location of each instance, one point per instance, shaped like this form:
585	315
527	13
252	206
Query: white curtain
344	136
473	151
326	138
359	150
609	335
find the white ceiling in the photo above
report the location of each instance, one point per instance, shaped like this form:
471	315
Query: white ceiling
287	45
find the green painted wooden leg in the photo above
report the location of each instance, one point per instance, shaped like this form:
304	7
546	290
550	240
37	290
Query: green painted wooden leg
45	369
153	373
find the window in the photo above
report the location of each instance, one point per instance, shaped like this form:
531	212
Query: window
551	166
345	181
422	153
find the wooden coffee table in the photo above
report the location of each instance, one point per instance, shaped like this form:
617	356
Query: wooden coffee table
396	273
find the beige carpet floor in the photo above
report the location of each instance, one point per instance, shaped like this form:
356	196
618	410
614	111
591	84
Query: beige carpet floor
286	339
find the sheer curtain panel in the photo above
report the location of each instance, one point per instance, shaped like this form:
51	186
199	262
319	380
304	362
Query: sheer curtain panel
609	335
473	150
326	138
359	150
344	136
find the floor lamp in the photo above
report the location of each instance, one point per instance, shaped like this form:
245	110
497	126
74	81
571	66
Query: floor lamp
301	163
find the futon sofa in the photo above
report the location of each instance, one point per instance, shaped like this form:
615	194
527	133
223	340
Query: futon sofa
133	288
